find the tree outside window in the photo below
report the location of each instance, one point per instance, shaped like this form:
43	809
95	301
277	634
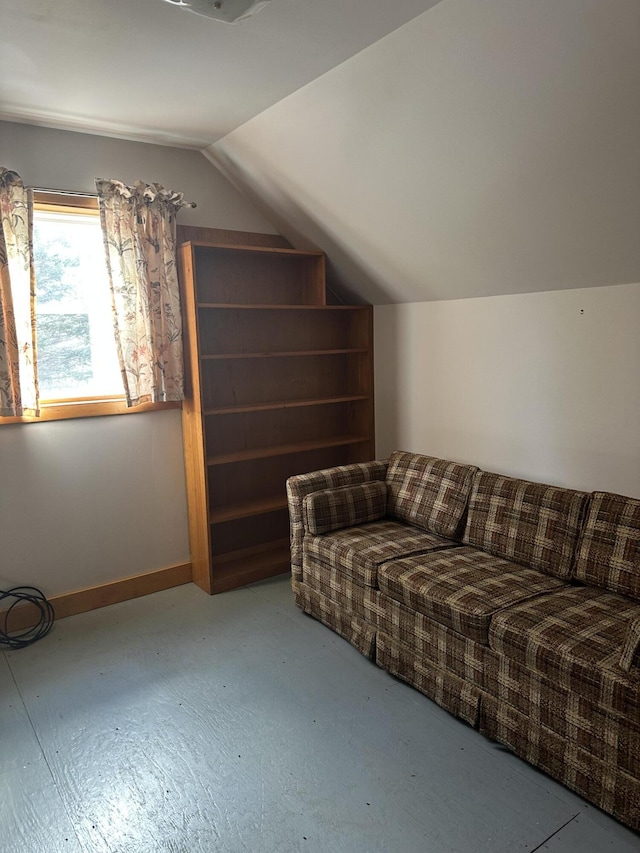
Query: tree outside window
76	347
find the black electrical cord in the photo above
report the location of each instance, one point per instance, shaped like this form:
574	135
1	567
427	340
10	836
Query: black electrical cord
25	595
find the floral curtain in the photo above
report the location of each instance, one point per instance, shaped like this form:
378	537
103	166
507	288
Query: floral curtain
18	368
139	229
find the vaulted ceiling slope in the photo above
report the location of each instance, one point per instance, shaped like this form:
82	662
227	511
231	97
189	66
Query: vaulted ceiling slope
481	149
145	69
434	150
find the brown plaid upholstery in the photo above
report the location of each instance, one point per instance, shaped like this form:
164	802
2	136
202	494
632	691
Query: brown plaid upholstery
461	587
574	638
431	641
450	692
529	523
608	553
358	551
333	509
630	655
430	493
329	478
602	783
348	594
609	737
548	668
355	630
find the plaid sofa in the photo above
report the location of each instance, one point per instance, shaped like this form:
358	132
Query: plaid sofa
514	605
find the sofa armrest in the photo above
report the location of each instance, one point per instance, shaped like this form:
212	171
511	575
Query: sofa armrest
631	646
333	509
301	485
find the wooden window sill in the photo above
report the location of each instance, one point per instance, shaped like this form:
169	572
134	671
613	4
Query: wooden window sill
60	411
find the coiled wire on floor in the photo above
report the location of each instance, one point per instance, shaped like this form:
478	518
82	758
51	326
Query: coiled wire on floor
45	614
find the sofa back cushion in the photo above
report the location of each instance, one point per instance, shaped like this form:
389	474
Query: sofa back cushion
427	492
608	552
530	523
333	509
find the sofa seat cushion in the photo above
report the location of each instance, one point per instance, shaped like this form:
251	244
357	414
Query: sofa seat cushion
431	641
358	551
574	638
530	523
608	553
462	588
427	492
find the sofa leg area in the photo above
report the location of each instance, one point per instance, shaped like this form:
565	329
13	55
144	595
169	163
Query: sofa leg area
352	628
450	692
604	785
455	695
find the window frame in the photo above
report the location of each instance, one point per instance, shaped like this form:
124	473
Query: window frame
79	407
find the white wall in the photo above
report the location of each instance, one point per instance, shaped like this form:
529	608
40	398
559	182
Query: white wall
60	159
483	148
83	502
544	386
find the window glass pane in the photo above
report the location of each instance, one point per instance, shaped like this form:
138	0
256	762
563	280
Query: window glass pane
76	348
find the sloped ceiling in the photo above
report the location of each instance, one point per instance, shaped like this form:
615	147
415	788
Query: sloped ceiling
482	149
434	150
147	70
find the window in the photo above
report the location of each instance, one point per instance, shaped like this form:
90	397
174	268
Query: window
77	358
78	369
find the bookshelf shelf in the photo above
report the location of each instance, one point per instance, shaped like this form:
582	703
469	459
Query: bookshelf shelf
279	383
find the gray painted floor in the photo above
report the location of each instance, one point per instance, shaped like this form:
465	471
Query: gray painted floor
184	723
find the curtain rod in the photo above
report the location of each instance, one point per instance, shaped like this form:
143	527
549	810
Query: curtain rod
88	195
63	192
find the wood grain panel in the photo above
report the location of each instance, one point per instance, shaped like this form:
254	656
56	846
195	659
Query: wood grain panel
199	234
255	381
280	384
257	432
103	595
237	535
192	432
253	276
254	330
256	480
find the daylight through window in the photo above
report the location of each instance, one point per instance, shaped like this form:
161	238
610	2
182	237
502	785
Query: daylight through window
77	358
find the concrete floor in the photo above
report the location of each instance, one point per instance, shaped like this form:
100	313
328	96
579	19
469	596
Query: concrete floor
184	723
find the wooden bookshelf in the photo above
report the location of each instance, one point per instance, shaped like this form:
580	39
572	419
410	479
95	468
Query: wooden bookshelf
278	383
